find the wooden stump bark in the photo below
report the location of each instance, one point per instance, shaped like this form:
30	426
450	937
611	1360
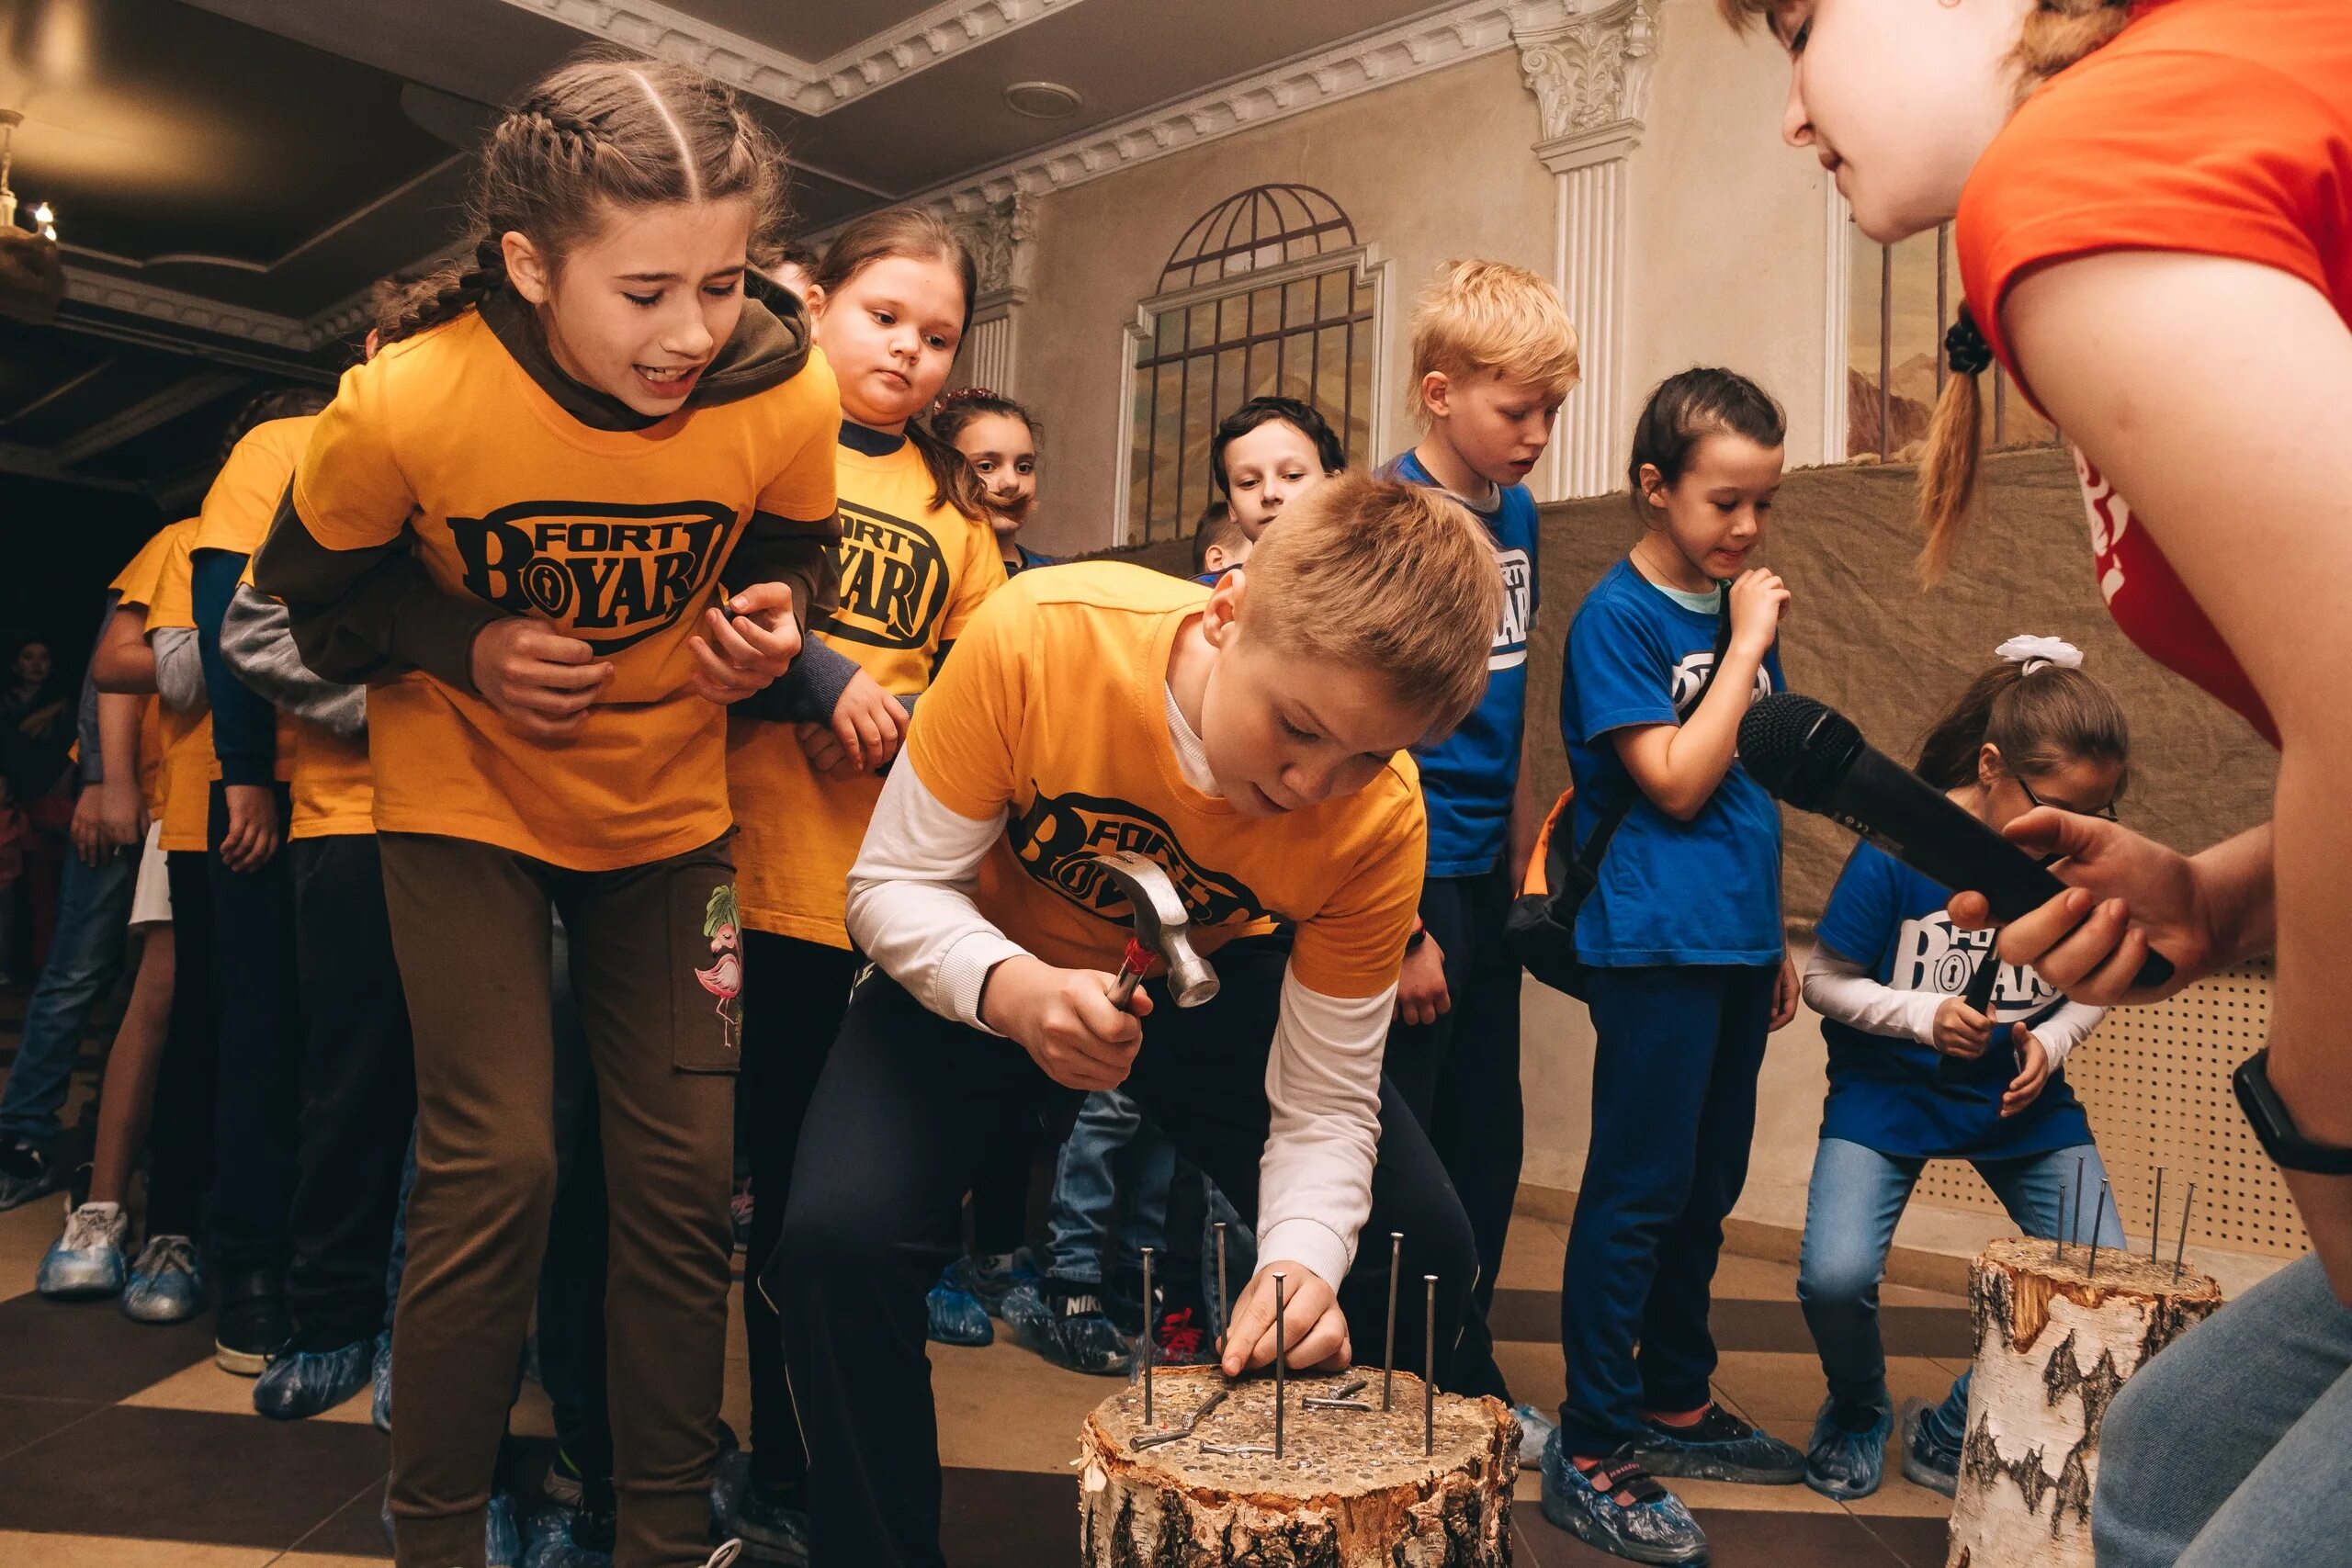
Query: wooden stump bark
1352	1489
2053	1344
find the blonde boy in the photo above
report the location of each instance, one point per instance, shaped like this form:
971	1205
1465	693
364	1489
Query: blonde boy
1250	739
1494	355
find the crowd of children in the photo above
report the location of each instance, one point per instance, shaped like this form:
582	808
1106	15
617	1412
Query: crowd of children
630	696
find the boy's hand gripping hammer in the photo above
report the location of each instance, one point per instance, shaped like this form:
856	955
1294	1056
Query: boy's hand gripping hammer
1162	931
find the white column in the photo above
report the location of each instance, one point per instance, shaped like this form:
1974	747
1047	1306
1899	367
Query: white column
1589	67
999	236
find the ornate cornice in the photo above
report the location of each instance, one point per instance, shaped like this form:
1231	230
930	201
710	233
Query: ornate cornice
192	312
813	87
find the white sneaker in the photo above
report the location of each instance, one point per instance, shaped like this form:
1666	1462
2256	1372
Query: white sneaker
86	1261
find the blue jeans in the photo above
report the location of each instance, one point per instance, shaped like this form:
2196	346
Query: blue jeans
1086	1207
84	960
1675	1057
2233	1448
1858	1194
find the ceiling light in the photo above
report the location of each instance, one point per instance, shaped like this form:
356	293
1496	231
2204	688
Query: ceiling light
1043	100
44	217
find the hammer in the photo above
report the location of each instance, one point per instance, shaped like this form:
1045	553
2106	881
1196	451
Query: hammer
1162	931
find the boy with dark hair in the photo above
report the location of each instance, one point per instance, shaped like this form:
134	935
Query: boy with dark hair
1268	452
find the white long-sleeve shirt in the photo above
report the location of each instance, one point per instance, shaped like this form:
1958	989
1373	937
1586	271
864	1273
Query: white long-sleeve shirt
1839	988
912	910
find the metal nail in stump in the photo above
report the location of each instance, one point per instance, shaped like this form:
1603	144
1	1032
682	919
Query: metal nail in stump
1388	1353
1224	1302
1151	1342
1429	1366
2096	1220
2059	1241
1281	1353
2180	1247
2077	1233
2156	1216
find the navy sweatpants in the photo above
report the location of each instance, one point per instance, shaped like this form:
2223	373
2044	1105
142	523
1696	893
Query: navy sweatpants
1673	1110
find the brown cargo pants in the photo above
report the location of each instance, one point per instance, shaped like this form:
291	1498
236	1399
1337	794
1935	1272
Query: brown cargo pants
657	966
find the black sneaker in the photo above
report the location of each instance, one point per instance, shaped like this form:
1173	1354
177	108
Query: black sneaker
1615	1506
1720	1447
1924	1463
25	1173
1068	1326
251	1325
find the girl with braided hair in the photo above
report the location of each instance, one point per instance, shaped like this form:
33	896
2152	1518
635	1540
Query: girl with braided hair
579	501
2153	205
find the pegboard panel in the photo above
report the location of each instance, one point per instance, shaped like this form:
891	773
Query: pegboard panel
2155	1081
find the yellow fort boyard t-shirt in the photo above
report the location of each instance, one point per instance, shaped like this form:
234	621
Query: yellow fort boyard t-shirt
134	589
617	537
237	512
188	738
1053	717
912	574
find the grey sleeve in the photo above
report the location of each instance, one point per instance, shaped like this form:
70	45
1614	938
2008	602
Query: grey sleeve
179	669
257	641
807	693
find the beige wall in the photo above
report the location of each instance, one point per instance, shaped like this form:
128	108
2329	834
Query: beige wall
1723	240
1435	167
1726	252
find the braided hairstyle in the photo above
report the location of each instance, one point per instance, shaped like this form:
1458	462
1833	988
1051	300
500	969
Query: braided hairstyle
605	127
917	234
2057	34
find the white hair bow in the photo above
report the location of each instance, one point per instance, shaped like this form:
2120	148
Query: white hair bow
2038	652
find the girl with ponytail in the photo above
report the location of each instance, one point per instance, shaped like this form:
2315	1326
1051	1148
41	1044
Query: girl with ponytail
2152	207
1938	1050
892	298
580	499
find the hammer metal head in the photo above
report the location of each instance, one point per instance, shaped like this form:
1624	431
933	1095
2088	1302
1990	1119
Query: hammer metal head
1161	923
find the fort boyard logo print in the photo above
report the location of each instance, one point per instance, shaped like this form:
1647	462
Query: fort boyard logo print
894	583
612	575
1056	836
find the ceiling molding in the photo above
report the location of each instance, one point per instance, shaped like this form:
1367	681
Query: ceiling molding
179	398
33	463
811	87
1432	41
194	313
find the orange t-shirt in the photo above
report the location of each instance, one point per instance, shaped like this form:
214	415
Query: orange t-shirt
187	739
912	576
135	587
2214	127
616	538
237	512
1052	717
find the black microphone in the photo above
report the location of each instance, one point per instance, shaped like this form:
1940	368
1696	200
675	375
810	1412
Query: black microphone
1810	755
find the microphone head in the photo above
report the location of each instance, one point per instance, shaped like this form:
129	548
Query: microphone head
1798	748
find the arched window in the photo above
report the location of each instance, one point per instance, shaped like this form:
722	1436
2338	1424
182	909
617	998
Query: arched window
1268	291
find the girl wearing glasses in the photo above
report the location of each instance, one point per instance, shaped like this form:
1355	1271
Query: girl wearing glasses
1940	1051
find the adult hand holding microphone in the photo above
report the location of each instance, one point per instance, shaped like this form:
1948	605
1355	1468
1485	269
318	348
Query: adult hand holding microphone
2082	939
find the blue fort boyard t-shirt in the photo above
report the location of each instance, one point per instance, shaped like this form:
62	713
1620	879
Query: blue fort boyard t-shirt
1705	891
1899	1096
1467	779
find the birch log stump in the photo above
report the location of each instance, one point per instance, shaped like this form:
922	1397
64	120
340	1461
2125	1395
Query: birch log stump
2053	1343
1353	1487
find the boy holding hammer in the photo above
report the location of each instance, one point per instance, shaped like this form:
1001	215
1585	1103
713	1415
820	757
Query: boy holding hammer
1249	738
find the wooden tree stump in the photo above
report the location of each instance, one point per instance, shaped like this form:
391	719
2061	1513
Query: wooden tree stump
1353	1487
2053	1343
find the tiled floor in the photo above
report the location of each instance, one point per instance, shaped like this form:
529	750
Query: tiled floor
122	1447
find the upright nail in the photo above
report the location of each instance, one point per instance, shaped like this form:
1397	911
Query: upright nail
2097	1221
2156	1216
2077	1232
2180	1247
1429	1366
1224	1302
1151	1341
1388	1350
1282	1354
